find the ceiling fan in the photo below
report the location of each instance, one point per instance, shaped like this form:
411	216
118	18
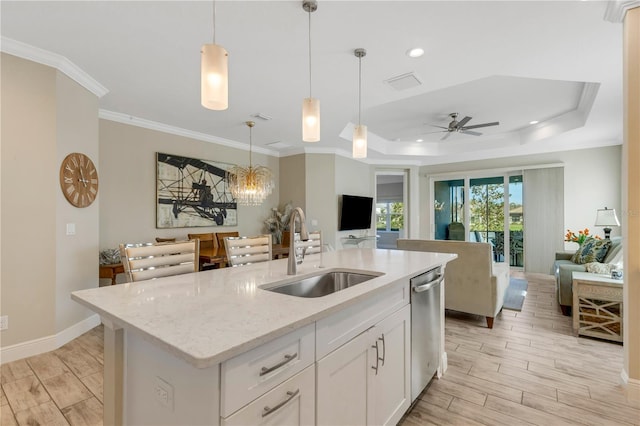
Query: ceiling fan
459	126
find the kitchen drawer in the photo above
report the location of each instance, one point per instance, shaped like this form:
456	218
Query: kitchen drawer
251	374
290	403
337	329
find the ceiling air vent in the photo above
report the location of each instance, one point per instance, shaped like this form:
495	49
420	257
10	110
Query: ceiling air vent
404	81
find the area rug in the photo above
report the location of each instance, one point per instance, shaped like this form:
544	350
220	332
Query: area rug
515	294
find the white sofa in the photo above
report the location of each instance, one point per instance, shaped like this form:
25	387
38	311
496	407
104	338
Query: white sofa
473	282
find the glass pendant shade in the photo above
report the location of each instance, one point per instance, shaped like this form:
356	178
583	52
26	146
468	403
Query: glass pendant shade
250	186
311	120
360	141
214	81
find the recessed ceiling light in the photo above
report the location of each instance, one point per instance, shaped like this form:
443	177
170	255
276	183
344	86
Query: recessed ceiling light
419	140
534	122
416	52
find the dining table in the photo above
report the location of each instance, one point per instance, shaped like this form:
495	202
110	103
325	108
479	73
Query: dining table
217	256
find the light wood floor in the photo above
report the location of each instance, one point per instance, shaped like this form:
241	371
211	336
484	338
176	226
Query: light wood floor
529	369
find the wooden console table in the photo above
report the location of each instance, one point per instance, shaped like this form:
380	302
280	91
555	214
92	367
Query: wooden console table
111	271
597	306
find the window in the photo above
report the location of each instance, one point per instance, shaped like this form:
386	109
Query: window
389	216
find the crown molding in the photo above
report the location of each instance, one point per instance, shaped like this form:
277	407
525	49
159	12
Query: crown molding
53	60
617	9
178	131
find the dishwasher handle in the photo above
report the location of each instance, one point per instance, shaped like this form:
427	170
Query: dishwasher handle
429	285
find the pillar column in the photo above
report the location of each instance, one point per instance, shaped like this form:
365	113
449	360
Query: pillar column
631	204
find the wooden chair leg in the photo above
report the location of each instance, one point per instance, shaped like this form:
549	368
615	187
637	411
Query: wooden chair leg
566	310
489	322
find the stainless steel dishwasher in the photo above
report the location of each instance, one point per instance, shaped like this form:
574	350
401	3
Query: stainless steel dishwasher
425	328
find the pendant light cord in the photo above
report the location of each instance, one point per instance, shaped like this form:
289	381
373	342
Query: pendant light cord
359	89
310	53
250	144
214	22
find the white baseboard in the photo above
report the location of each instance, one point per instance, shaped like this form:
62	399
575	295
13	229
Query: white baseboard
49	343
631	386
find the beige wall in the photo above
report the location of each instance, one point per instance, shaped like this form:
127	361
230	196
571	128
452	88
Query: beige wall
29	197
128	183
292	181
315	182
592	181
45	116
76	265
321	200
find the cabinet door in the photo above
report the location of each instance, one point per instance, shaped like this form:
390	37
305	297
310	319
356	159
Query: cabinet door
291	403
390	389
342	383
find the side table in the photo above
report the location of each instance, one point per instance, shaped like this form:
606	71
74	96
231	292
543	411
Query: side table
111	271
597	306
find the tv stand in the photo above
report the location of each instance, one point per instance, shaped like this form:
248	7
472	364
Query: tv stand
355	241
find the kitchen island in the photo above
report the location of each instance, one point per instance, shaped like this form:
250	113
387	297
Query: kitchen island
176	347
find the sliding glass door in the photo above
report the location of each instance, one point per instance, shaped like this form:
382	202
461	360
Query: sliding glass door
494	207
486	206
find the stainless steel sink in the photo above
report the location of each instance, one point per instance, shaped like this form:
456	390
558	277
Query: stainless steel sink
322	285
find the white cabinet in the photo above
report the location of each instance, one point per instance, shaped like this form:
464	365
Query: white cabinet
389	390
342	383
367	380
290	403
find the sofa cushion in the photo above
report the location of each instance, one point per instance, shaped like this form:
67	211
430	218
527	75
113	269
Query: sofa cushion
592	250
599	268
614	255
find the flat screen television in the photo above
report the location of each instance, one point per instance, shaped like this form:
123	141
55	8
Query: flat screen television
355	212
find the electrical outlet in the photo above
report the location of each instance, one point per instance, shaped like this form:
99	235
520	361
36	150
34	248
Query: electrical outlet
163	392
4	322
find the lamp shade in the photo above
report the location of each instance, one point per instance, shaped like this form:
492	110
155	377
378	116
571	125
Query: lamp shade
360	141
311	120
606	217
214	77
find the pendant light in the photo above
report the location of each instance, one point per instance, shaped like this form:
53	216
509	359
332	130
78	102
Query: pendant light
214	73
310	105
360	131
250	185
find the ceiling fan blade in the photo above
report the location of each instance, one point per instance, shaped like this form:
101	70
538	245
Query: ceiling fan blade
437	131
467	132
440	127
446	136
462	122
475	126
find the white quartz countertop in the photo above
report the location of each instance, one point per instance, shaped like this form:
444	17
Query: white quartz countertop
208	317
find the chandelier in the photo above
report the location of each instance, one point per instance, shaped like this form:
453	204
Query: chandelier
250	185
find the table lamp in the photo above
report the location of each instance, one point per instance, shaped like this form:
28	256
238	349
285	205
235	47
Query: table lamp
606	217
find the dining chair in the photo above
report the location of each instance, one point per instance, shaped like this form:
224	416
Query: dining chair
313	245
207	241
220	236
248	250
153	260
165	240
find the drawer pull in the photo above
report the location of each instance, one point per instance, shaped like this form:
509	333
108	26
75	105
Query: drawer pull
290	395
287	359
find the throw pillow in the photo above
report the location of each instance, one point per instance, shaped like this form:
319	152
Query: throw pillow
600	268
591	250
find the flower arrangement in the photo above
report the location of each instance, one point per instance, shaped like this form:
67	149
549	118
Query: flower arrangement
580	238
278	222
